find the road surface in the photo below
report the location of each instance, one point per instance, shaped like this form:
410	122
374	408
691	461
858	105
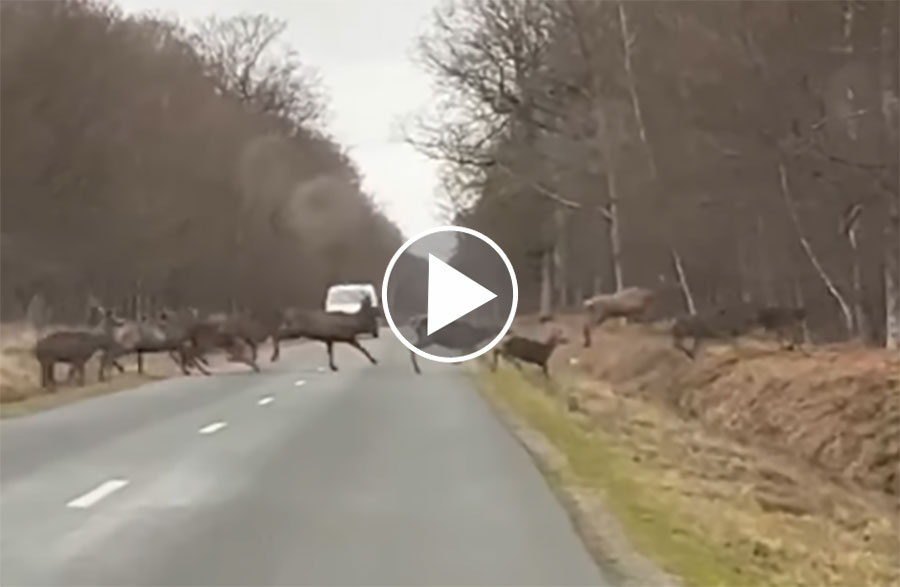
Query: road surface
294	476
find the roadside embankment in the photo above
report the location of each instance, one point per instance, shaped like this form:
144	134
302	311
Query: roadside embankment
750	465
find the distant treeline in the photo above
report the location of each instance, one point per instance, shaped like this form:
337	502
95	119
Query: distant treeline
145	164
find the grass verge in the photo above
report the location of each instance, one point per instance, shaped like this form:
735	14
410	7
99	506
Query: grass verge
703	527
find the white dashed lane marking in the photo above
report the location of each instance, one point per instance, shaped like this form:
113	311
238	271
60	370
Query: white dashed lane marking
265	400
214	427
299	382
98	493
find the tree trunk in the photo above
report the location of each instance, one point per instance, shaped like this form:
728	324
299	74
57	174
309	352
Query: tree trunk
615	242
546	303
683	283
560	260
859	314
799	303
611	211
892	304
763	269
811	255
36	312
889	110
627	42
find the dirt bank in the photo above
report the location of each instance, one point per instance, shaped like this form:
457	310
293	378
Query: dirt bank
748	466
836	408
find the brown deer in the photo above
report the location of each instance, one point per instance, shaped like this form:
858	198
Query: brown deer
719	324
329	328
518	348
458	335
630	302
216	332
75	347
785	323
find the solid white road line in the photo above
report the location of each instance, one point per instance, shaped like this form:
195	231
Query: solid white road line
299	382
98	493
266	400
214	427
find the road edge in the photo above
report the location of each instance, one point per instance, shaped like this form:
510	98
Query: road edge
600	532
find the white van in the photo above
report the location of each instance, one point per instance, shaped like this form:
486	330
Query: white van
347	298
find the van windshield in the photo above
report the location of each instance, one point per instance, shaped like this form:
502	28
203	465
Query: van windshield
346	296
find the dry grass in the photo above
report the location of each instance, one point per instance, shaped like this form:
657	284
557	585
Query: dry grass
836	408
706	508
772	467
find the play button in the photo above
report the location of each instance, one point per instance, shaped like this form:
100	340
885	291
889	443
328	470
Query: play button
449	294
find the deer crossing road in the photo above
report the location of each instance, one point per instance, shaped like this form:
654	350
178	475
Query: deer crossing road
366	476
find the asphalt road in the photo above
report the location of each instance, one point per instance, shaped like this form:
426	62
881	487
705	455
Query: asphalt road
294	476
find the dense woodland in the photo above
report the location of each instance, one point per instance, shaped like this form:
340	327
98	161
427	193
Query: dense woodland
146	163
719	152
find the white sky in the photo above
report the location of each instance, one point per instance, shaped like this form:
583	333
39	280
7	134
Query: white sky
362	49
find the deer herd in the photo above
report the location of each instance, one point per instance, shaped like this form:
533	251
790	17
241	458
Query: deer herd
187	337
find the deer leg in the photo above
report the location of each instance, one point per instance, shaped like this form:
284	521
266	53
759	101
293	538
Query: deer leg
544	369
679	344
51	375
696	348
43	365
192	355
496	360
70	377
47	375
251	361
330	348
80	373
355	344
179	360
199	361
182	362
415	363
586	329
276	348
101	370
140	362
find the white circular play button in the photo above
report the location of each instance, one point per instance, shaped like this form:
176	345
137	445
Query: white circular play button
449	294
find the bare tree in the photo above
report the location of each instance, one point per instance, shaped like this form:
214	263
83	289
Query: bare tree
655	129
242	55
138	170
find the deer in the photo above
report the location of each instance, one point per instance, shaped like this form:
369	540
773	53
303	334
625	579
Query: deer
784	322
630	302
75	347
518	348
458	335
719	324
329	328
216	332
255	329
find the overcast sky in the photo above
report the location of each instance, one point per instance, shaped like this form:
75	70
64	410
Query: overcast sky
362	50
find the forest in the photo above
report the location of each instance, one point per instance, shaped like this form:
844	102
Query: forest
148	163
717	152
